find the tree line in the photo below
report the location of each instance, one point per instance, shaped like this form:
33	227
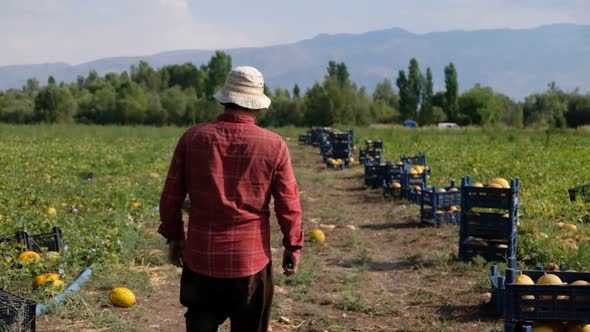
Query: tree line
182	95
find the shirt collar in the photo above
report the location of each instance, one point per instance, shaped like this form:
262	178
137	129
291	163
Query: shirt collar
234	117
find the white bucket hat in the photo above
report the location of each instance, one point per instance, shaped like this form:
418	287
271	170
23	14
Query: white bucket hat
244	86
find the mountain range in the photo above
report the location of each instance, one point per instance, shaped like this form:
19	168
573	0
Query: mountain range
515	62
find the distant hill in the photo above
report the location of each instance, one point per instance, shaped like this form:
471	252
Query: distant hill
513	62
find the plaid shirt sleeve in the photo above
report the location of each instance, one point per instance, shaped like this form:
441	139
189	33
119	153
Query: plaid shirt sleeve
172	227
286	201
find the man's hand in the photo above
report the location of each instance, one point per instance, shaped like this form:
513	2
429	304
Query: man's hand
290	261
175	252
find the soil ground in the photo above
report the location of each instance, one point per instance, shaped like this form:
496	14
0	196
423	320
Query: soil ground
379	270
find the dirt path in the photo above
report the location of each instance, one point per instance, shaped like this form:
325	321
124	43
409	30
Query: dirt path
379	271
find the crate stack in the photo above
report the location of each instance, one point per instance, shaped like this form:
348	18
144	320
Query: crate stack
440	205
374	174
341	153
372	153
392	173
304	139
521	305
317	134
489	218
16	313
406	178
413	180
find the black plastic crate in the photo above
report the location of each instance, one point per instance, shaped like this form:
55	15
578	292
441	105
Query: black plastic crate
581	191
42	242
16	313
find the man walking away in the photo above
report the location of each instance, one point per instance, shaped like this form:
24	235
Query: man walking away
230	168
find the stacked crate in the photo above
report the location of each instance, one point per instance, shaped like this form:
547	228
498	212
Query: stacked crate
413	181
372	153
440	205
520	305
305	139
342	149
317	135
489	218
406	178
374	174
392	173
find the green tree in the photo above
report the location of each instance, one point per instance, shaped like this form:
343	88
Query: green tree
215	72
414	88
174	103
426	112
451	106
54	104
319	108
131	103
403	87
480	106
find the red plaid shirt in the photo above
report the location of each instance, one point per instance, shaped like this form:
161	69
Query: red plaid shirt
230	168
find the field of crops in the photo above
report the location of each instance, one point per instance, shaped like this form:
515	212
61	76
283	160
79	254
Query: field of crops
547	163
109	220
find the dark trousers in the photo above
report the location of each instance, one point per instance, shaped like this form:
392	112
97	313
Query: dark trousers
210	301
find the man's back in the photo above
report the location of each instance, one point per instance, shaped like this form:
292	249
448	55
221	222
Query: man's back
231	167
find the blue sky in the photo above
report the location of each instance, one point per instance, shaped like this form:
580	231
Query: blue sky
76	31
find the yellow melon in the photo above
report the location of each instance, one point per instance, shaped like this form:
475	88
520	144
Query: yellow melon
134	204
122	297
28	256
501	181
550	279
51	211
441	190
44	278
414	171
317	235
52	256
396	185
495	185
453	189
417	188
523	279
478	184
577	327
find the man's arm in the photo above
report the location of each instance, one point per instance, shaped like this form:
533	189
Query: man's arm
173	194
288	210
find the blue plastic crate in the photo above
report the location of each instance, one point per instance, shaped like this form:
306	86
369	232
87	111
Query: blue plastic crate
419	159
440	200
488	197
437	218
488	225
408	181
494	251
412	195
550	302
304	139
374	175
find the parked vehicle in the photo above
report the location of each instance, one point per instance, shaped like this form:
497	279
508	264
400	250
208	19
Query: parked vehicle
446	125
